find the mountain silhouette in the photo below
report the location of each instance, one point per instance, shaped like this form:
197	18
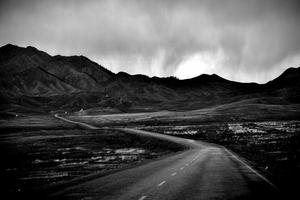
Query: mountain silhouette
34	80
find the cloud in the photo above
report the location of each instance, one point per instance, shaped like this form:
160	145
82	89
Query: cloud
241	40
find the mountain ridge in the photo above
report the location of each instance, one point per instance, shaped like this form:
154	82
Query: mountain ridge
32	78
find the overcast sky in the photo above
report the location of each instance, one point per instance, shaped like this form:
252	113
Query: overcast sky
241	40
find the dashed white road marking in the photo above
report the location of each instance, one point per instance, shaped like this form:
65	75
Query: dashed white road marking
181	168
187	164
143	197
174	174
161	183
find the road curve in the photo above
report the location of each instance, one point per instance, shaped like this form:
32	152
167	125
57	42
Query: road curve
203	171
84	125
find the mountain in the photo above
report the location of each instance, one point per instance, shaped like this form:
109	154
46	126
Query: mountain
33	80
286	85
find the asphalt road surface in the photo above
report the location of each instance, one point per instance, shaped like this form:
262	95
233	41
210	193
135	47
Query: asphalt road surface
203	171
84	125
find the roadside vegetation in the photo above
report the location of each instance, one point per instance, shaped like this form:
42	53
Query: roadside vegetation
35	155
272	147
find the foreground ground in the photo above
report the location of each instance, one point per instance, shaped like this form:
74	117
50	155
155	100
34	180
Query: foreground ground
272	147
40	152
205	171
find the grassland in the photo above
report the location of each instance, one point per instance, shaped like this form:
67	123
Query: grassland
272	147
241	111
40	152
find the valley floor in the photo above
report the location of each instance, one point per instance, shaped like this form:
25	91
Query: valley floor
272	147
41	152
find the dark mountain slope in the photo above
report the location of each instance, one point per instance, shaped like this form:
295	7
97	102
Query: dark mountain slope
82	64
50	81
14	59
287	85
33	79
289	78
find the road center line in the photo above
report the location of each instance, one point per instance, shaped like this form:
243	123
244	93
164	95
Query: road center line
143	197
174	174
161	183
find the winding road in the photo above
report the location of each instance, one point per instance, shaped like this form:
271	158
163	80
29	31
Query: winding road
204	171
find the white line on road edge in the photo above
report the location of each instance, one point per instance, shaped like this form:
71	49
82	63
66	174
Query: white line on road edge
143	197
251	169
174	174
161	183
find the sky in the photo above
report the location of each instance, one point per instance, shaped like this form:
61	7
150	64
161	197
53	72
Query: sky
240	40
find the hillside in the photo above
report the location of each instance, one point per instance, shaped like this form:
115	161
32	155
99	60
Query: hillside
32	80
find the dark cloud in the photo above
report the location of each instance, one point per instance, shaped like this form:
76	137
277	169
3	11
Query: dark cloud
249	40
